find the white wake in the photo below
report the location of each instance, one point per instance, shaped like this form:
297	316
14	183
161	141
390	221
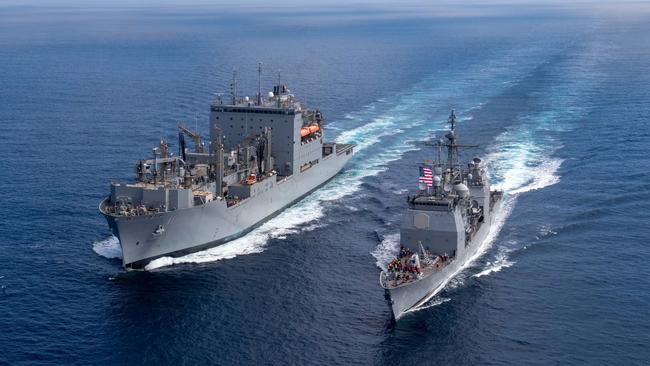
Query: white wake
386	250
500	261
108	248
288	222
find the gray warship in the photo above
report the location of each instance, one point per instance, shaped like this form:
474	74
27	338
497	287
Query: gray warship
446	222
263	154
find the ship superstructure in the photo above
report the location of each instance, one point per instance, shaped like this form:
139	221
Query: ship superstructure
262	155
446	222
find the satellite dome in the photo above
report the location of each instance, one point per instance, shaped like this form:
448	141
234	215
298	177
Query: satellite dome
461	190
436	180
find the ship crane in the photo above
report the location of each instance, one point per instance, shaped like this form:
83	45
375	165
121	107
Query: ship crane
198	140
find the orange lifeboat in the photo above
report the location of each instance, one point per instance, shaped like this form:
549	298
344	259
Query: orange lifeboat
306	131
251	179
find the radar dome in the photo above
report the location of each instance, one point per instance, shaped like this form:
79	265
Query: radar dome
461	190
270	94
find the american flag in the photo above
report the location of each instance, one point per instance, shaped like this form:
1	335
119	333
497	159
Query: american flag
426	176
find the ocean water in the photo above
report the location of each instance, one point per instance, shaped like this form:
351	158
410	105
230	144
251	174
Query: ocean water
557	96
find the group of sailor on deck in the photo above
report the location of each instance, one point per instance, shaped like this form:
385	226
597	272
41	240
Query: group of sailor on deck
405	267
409	266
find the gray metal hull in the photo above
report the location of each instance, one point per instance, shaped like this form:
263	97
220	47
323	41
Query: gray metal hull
415	294
212	224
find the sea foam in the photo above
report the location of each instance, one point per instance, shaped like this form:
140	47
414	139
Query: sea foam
108	248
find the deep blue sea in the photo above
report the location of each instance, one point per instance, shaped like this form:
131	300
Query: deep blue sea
558	97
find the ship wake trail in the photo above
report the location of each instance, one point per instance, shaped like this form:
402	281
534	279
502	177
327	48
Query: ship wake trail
499	262
521	160
517	166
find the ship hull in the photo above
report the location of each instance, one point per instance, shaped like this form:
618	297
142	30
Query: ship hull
415	294
214	223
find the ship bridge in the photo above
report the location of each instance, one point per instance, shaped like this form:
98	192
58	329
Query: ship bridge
297	133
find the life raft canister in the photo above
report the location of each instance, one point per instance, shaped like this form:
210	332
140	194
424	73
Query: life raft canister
252	178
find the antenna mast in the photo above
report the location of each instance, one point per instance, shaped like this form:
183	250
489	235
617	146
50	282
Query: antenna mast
259	87
451	136
279	89
233	86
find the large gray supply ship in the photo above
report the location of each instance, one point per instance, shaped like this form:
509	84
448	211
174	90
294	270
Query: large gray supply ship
262	155
446	222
